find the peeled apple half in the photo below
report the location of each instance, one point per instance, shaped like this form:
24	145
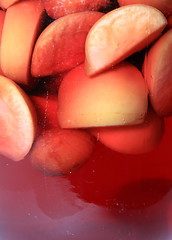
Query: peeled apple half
115	97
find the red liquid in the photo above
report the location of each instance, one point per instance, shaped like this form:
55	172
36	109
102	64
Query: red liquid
113	196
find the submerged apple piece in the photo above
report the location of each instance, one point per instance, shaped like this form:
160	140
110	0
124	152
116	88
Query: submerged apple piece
46	108
116	97
119	34
165	6
135	139
61	46
157	70
23	22
7	3
60	152
18	120
60	8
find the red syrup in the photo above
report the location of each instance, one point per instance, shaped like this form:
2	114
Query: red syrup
113	196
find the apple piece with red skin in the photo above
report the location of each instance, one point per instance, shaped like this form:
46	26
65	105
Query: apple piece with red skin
119	34
18	120
61	46
157	70
115	97
61	152
2	18
23	23
56	9
165	6
46	108
134	139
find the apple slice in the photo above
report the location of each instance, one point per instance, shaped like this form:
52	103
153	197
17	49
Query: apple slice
135	139
119	34
57	9
116	97
7	3
157	70
46	108
18	120
22	25
2	18
165	6
60	152
61	46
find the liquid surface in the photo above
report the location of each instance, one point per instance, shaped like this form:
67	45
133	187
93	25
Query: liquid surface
114	196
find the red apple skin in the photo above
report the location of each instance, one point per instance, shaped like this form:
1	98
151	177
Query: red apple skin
164	6
67	34
157	72
134	139
23	23
57	9
115	97
46	109
61	152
